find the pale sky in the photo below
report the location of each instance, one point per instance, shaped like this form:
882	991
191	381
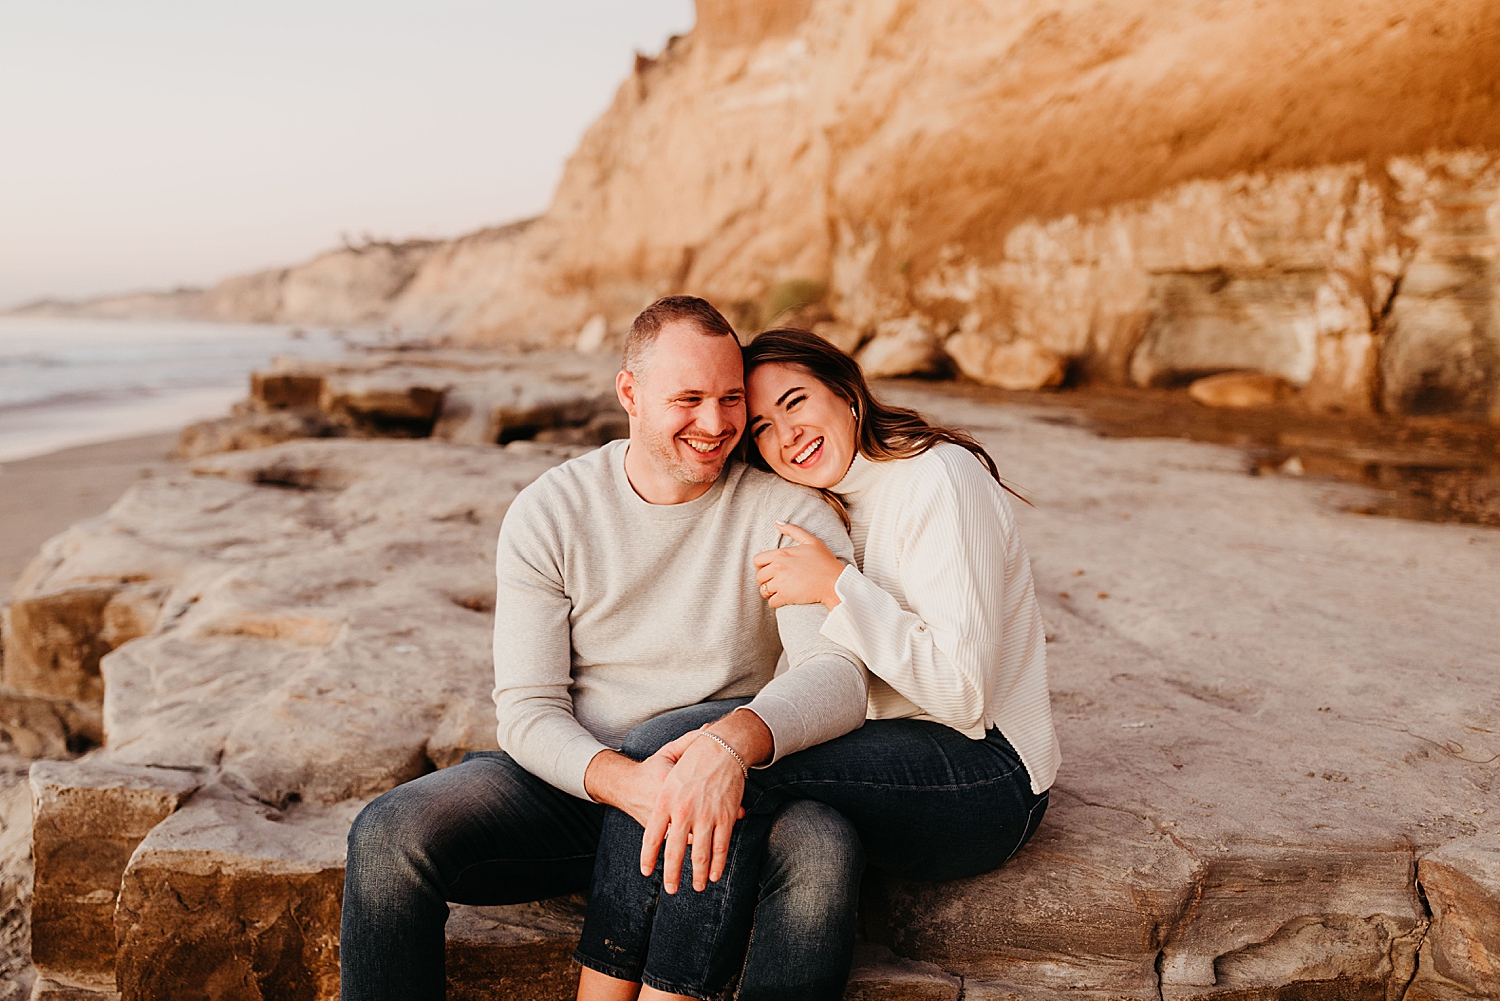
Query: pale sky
150	144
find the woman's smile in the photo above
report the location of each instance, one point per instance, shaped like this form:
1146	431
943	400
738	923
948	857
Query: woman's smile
809	455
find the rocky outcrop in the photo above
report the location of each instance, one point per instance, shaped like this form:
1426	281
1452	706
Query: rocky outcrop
465	397
1038	188
1277	724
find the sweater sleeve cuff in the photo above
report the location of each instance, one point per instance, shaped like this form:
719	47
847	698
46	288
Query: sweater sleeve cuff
788	730
573	762
855	603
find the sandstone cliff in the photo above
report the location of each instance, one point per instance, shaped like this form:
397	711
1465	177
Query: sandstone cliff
1022	191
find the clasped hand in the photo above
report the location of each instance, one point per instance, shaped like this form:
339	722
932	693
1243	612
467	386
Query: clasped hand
804	574
696	805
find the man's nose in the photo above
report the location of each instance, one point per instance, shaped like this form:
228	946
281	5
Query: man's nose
714	418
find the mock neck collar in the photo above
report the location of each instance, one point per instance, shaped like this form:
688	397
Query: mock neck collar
862	477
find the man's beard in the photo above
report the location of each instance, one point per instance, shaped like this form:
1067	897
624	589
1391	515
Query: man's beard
684	471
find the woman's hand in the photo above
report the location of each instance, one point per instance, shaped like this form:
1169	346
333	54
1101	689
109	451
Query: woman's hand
803	574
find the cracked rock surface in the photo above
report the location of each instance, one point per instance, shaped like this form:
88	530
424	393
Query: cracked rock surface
1278	722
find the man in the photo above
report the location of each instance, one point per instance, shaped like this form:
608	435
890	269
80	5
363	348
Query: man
626	590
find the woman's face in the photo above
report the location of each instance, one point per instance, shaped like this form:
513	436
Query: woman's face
804	430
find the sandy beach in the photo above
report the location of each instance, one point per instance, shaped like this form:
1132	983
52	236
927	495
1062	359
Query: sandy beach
41	496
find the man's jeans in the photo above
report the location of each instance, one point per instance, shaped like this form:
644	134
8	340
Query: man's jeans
486	831
928	803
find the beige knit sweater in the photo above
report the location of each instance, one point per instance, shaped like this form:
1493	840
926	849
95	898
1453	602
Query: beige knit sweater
610	611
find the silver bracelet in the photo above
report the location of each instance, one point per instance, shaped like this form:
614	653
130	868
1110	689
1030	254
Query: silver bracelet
732	752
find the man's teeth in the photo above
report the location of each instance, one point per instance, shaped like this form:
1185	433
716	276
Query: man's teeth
704	446
812	447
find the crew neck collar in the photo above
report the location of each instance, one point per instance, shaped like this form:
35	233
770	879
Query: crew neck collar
667	512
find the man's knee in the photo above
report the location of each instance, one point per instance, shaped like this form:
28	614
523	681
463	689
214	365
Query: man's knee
814	861
393	820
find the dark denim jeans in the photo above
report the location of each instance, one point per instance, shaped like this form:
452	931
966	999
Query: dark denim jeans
486	831
927	802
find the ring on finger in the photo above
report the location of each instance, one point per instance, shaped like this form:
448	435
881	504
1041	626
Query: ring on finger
765	590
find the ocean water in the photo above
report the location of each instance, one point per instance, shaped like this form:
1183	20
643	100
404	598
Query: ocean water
66	382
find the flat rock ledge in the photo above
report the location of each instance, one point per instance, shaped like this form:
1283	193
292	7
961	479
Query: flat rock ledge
459	396
1277	719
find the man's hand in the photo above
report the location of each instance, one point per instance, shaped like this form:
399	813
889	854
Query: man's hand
632	786
699	800
803	574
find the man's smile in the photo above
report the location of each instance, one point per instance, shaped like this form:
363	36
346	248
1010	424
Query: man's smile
706	447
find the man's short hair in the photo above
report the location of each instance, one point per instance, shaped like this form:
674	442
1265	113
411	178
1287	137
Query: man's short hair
671	309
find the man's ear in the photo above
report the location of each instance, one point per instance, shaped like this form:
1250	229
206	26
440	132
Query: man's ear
625	388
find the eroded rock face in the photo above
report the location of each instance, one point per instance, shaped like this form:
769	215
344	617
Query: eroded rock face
1461	957
232	899
88	817
1293	210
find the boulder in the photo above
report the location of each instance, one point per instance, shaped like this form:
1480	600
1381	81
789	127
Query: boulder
230	898
844	336
88	817
1206	321
1019	364
280	390
45	726
248	428
592	334
901	347
1461	956
1240	389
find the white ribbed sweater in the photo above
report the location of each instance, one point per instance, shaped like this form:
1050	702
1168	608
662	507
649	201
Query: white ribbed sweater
942	608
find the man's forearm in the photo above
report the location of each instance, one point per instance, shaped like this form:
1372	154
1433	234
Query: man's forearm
748	734
612	779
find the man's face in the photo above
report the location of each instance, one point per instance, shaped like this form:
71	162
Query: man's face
687	403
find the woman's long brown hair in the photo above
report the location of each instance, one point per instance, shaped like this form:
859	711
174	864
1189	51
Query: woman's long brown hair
881	432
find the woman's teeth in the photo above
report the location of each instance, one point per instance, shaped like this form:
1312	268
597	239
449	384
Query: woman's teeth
807	452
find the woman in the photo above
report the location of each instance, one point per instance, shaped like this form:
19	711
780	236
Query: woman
950	775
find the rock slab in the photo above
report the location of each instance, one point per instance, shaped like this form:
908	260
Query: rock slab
88	817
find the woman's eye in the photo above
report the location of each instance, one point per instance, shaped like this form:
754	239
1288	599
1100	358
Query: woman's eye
755	431
795	400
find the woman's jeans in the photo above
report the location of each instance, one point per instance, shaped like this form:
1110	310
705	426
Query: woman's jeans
487	831
927	801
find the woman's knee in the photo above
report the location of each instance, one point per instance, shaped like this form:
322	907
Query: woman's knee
814	857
